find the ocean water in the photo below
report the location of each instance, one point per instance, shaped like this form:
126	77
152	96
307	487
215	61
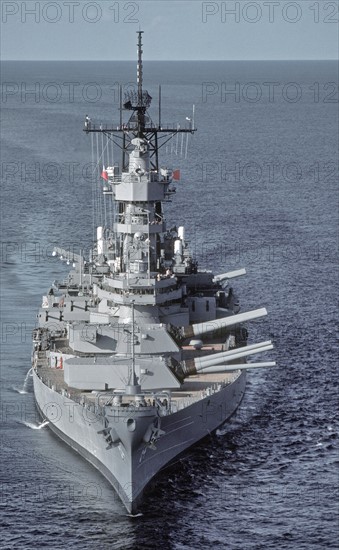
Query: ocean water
259	190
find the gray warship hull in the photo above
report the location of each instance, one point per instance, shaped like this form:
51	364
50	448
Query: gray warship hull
130	474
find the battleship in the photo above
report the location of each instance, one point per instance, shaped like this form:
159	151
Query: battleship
139	354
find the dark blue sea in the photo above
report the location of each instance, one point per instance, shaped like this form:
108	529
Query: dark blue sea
259	189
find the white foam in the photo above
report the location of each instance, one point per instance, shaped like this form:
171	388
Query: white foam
24	390
36	426
18	390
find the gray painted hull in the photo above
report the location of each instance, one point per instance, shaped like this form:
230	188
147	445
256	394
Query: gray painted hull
129	470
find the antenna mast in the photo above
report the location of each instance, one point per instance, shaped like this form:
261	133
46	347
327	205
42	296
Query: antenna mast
140	124
139	68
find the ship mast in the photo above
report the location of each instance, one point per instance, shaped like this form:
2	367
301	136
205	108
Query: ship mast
141	118
140	123
139	188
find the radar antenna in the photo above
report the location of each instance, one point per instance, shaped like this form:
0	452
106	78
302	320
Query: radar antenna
140	124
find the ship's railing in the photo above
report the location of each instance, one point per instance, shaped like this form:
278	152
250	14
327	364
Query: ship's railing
139	291
154	177
179	403
146	401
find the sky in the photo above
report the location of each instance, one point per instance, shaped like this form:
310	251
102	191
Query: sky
175	29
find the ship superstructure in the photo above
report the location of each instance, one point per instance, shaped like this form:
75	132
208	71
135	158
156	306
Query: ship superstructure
139	354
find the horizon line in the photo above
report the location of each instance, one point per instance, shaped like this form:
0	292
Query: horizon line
171	60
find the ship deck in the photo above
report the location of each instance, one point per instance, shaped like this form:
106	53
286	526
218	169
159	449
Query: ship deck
194	388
